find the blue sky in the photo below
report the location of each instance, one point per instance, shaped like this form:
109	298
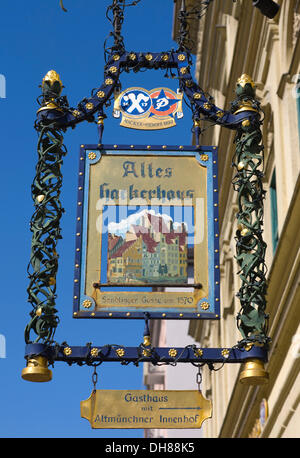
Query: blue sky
37	36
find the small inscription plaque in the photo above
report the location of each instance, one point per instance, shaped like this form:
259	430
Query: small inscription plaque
135	409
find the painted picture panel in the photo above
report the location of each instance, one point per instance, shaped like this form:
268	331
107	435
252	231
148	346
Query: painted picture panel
147	233
147	247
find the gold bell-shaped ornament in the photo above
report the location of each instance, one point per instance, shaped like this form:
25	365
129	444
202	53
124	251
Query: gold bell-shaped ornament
254	373
37	370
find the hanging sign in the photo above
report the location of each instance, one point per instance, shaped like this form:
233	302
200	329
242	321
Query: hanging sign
148	110
124	409
147	233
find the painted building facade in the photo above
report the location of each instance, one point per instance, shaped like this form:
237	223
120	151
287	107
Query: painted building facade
234	38
150	251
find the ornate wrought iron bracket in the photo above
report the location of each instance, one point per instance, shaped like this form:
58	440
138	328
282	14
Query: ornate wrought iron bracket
63	116
251	248
54	117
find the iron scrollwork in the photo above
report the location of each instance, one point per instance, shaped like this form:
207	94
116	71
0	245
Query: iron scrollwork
250	246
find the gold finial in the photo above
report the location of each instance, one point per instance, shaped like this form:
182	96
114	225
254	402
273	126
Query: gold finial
245	79
52	77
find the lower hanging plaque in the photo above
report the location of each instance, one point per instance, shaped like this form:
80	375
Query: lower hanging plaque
125	409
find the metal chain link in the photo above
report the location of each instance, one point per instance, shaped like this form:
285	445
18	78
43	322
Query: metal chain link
199	379
94	378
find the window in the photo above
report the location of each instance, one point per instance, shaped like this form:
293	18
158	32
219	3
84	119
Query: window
274	212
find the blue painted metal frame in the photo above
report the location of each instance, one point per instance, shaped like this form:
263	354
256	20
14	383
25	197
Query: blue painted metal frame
111	353
70	117
213	233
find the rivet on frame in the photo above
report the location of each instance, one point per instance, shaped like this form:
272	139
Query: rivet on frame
184	70
67	351
205	305
225	353
87	304
198	352
120	352
204	157
94	352
172	352
92	155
